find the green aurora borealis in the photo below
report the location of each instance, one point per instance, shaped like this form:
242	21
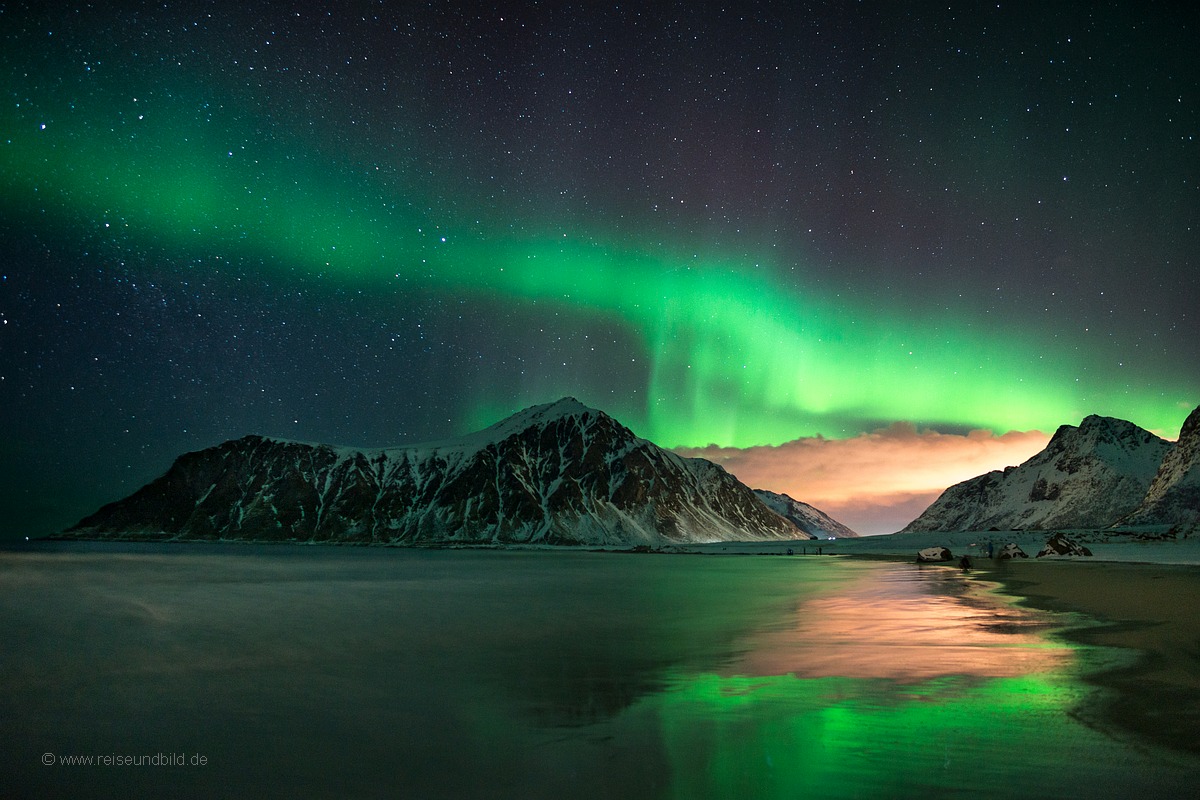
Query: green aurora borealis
736	357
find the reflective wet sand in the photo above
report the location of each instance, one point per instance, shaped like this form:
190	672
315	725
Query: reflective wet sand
1147	610
320	672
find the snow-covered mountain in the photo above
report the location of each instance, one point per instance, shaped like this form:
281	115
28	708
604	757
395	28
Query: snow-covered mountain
560	473
816	523
1088	476
1174	494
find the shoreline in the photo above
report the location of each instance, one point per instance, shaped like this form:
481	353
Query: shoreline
1146	610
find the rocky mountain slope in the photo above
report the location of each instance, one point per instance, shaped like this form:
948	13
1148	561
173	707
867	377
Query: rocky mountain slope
560	473
1174	494
1088	476
814	522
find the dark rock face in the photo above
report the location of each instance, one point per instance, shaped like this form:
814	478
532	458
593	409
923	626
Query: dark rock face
555	474
1011	550
1088	476
1060	545
1043	491
1174	495
932	555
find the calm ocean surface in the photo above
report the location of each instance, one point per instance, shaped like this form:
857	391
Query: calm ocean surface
326	672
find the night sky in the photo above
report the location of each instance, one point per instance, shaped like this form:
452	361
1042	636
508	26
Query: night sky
836	228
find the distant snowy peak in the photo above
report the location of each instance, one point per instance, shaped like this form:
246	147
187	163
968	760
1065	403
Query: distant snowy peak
1088	476
560	473
561	414
1105	439
567	410
814	522
1174	494
563	408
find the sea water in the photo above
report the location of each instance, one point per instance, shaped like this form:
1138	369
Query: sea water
246	671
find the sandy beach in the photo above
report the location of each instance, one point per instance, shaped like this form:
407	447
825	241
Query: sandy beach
1147	607
333	671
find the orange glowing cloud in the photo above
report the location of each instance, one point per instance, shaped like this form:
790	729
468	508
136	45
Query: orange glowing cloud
876	482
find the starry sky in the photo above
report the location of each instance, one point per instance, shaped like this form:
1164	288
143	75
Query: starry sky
809	239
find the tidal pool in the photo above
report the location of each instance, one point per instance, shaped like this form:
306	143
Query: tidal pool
332	672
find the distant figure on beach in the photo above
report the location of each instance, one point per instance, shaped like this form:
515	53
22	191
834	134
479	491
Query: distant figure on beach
965	563
989	549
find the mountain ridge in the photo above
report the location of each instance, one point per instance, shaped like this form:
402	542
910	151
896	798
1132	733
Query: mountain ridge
1102	473
557	473
807	518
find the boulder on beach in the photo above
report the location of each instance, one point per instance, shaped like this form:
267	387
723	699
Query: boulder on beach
934	554
1060	545
1012	550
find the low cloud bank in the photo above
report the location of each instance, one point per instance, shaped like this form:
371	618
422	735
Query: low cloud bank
876	482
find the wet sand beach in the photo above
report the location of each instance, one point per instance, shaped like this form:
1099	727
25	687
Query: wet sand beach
352	672
1150	608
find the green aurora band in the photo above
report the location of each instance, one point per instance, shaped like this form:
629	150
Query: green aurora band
736	357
